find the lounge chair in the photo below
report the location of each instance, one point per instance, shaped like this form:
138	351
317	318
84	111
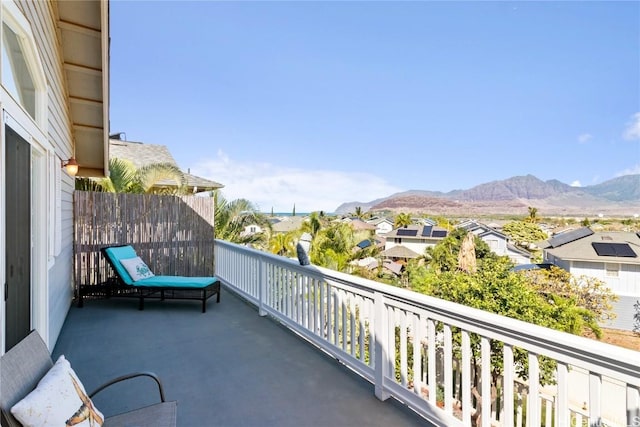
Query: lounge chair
147	285
24	366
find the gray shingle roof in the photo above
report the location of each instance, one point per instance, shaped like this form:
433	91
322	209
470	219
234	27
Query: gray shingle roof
144	154
399	252
582	250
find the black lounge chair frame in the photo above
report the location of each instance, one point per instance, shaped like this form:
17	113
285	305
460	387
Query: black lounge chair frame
115	286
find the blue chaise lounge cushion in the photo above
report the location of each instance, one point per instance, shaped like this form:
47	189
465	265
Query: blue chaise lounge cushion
116	253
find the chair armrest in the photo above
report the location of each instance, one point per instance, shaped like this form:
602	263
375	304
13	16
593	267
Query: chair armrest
128	377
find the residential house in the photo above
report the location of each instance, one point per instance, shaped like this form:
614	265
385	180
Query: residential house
412	240
613	257
498	242
144	154
359	225
383	225
287	224
55	110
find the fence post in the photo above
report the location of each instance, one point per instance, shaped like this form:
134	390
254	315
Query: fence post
262	286
381	335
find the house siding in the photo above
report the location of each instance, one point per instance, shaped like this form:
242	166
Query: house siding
626	286
41	16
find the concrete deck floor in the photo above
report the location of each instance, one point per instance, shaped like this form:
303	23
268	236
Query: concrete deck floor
227	367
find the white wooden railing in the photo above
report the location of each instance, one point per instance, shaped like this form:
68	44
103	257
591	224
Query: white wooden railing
420	349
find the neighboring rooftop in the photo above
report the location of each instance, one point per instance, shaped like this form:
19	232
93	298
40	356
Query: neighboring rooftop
144	154
607	246
419	232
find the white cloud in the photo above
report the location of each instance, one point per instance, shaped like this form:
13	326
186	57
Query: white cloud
576	183
280	187
632	131
584	138
633	170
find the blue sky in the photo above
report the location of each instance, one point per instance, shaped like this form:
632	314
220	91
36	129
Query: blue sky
319	103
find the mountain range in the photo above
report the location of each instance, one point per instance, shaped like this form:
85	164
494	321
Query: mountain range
616	197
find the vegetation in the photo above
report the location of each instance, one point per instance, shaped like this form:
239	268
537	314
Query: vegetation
232	219
124	177
524	233
402	220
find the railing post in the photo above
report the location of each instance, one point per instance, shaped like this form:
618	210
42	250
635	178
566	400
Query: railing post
262	286
381	335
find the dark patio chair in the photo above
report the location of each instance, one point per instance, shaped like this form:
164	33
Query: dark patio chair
24	365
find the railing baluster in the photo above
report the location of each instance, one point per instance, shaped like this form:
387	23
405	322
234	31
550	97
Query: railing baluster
466	379
417	353
485	381
595	385
507	386
381	346
448	369
403	349
343	307
432	361
562	413
336	317
633	406
533	403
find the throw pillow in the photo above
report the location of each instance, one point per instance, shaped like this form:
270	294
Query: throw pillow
58	400
136	268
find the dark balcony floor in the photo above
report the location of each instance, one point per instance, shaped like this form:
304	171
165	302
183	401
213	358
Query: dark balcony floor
227	367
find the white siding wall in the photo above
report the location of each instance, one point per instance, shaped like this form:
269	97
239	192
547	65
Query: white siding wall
383	228
41	15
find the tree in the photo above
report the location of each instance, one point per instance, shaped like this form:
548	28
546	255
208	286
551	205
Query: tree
149	179
312	225
402	220
587	292
524	233
358	213
467	254
498	289
282	244
232	218
444	256
533	215
332	246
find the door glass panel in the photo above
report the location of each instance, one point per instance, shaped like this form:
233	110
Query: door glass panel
16	76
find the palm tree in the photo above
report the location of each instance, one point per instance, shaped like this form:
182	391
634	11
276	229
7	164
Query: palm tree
282	244
402	220
533	215
232	219
312	225
150	179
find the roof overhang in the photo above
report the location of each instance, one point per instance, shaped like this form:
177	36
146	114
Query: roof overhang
84	36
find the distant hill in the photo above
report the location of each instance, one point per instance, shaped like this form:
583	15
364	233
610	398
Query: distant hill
618	196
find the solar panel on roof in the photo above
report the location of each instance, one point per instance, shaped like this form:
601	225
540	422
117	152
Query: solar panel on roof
614	249
439	233
407	232
364	244
426	230
570	236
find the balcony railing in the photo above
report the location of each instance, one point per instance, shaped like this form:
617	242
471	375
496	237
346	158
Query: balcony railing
455	365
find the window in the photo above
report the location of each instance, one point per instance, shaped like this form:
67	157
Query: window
612	270
16	76
397	240
22	72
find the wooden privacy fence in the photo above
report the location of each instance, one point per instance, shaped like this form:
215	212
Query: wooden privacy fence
174	235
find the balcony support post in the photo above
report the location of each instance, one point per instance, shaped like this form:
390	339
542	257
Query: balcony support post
262	287
633	406
381	332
